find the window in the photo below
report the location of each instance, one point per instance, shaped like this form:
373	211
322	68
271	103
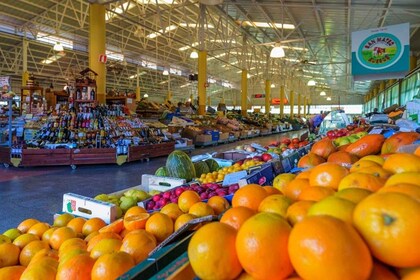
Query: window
410	87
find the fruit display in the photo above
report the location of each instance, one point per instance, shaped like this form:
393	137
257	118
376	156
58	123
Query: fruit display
287	145
329	222
179	165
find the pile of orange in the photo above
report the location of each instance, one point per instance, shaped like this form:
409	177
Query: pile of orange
333	221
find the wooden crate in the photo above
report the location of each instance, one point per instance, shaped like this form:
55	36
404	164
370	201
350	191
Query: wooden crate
42	157
5	155
93	156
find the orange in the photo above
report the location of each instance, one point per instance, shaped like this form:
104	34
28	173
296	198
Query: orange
24	239
139	245
105	235
361	181
377	171
47	234
270	190
295	187
276	203
44	261
327	175
25	225
78	267
323	148
354	195
378	159
30	250
44	253
298	211
342	157
333	206
315	193
91	225
91	235
249	196
71	253
187	199
12	272
332	249
390	223
304	174
206	257
62	220
9	254
40	271
77	224
172	210
135	210
220	204
417	151
261	245
116	226
39	229
71	244
409	178
236	216
402	163
381	272
60	235
160	225
111	266
280	181
182	220
412	273
136	221
411	190
310	160
362	164
201	209
105	246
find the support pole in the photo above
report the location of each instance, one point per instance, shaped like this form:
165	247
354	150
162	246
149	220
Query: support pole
25	74
138	97
281	101
292	103
267	96
305	103
299	103
202	80
97	47
244	93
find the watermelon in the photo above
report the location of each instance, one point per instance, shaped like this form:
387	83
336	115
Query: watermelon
212	164
201	168
162	171
179	165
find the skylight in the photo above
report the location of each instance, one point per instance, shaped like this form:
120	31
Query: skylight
114	55
118	10
268	25
53	58
162	31
52	40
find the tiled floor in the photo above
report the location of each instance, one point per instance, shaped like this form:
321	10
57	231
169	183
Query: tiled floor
37	192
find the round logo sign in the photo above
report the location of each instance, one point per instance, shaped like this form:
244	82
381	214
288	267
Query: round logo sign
379	51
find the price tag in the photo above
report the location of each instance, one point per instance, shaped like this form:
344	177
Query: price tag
376	131
233	178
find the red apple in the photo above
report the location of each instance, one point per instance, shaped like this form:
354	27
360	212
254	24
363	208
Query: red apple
266	157
295	140
286	141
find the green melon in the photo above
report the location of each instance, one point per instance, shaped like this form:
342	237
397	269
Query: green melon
212	164
201	168
179	165
162	171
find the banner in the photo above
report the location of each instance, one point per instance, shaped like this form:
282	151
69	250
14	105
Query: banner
381	53
276	101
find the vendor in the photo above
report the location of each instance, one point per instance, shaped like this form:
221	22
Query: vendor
316	121
6	92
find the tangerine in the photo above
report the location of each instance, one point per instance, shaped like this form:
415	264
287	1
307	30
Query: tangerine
295	187
172	210
298	211
270	190
354	195
30	250
105	246
47	234
362	181
138	221
139	245
60	235
77	224
160	225
24	239
261	245
187	199
71	244
134	210
105	235
315	193
116	226
327	175
111	266
12	272
220	204
25	225
201	209
182	220
62	220
362	164
276	203
390	223
378	159
304	174
402	163
39	229
310	160
344	257
9	254
377	171
334	206
236	216
249	196
280	181
78	267
91	225
206	258
411	190
409	178
381	272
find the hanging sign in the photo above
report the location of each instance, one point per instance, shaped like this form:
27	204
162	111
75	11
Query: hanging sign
381	53
102	58
259	95
276	101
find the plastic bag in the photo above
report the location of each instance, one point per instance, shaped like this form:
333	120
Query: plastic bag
407	125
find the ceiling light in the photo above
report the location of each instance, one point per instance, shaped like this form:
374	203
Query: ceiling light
322	93
269	25
277	52
165	72
146	95
58	47
328	98
135	75
194	54
194	25
184	85
273	85
311	83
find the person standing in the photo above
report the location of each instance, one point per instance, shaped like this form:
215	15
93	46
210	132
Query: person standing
316	121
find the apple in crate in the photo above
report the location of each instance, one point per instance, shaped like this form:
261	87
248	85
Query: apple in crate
266	157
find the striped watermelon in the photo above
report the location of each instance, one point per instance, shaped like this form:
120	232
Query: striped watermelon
162	171
179	165
212	164
201	168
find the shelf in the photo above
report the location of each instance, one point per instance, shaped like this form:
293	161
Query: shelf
84	101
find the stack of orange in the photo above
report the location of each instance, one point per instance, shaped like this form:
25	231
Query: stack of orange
332	221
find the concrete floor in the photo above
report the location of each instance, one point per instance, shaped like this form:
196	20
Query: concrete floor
37	192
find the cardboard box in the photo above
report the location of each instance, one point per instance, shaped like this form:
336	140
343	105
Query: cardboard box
224	136
87	207
203	138
264	176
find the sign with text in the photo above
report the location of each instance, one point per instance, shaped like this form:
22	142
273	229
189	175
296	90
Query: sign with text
381	53
276	101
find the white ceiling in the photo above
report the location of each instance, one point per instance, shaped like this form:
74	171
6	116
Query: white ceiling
319	46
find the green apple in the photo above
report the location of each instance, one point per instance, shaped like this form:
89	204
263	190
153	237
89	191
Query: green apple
101	197
343	141
12	233
361	134
127	202
353	138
